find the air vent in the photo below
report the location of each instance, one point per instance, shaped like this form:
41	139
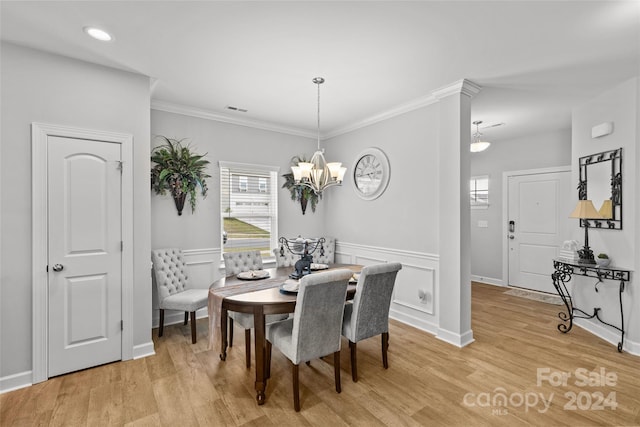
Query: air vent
232	108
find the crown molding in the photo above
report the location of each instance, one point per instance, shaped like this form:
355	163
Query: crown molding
385	115
210	115
464	86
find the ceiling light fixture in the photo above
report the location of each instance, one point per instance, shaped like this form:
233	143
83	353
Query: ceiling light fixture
478	144
98	34
317	174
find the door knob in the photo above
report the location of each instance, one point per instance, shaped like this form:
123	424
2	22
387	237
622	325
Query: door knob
58	267
511	236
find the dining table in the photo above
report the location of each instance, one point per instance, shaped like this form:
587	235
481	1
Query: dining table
260	297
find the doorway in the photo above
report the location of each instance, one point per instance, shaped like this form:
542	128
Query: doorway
536	205
82	249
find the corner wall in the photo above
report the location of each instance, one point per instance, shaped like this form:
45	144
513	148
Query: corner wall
47	88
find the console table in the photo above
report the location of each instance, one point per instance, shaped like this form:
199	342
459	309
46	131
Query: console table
564	270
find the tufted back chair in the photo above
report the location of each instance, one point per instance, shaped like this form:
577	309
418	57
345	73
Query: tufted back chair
171	273
237	262
329	252
174	292
288	260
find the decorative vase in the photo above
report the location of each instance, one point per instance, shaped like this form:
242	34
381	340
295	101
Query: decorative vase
603	262
179	201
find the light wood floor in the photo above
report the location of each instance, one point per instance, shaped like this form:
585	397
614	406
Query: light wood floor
428	381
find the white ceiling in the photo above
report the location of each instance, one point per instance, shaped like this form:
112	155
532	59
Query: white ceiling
534	59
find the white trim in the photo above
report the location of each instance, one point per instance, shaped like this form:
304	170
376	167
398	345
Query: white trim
413	321
143	350
399	252
249	166
488	280
15	381
505	209
465	87
210	115
459	340
613	337
40	133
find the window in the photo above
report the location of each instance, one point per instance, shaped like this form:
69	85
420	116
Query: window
249	208
243	183
479	192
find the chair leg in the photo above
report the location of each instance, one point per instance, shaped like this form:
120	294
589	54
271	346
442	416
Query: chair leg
230	331
161	326
336	370
186	317
385	347
354	362
296	388
268	359
193	327
247	344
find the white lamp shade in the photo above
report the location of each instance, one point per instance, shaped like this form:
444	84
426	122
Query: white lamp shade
297	173
305	169
341	173
478	146
334	169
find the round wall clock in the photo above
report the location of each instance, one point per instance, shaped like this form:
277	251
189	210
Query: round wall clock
371	173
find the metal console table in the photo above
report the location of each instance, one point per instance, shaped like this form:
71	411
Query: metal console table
564	270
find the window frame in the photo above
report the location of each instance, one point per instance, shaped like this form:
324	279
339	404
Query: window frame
272	189
474	191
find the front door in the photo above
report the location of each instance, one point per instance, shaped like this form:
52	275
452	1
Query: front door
538	222
84	253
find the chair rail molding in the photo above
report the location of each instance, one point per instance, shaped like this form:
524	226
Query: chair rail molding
414	300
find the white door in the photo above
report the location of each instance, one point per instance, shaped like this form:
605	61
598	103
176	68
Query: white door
84	253
538	222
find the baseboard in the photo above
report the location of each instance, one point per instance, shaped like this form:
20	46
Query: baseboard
143	350
459	340
16	381
613	337
487	280
413	321
173	317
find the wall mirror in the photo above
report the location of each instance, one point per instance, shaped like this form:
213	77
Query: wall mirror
601	182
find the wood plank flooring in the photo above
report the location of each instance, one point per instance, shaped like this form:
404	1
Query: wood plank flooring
428	383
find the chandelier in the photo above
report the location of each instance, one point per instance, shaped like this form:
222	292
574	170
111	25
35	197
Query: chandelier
478	144
317	174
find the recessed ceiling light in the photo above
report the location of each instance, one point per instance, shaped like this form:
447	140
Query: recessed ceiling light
98	34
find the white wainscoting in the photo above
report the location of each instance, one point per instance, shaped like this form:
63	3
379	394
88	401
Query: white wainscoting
415	297
203	268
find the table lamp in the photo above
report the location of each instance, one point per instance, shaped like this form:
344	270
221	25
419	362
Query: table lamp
585	211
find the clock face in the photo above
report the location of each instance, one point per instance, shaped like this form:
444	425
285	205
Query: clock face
371	173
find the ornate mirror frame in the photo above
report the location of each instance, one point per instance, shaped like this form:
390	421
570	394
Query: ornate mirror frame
615	159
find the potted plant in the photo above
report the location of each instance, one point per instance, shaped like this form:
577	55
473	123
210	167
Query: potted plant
179	170
603	260
300	193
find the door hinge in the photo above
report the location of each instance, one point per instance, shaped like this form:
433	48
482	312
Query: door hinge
120	165
122	325
47	268
121	245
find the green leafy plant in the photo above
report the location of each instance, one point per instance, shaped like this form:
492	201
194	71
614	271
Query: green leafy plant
603	256
300	193
178	170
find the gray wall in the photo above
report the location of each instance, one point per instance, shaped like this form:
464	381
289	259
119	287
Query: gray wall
537	151
620	106
233	143
48	88
405	216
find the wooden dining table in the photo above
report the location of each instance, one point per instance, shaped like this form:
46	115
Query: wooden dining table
260	298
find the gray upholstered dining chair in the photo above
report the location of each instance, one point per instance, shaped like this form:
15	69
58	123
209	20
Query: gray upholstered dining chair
285	260
368	314
174	292
238	262
314	330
